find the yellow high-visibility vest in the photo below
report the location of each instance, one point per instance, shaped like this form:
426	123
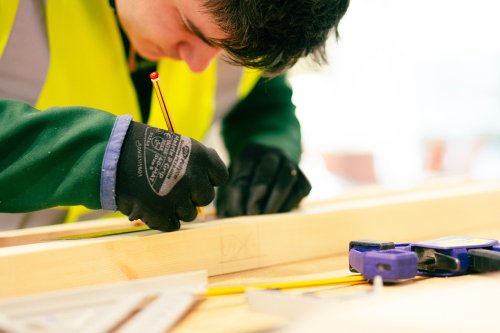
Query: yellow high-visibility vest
88	68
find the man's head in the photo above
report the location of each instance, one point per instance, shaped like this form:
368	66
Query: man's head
267	34
274	34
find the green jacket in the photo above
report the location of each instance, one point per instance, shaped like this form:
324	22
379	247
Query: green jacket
266	116
51	158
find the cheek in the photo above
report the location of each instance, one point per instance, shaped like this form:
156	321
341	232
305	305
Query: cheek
133	23
167	31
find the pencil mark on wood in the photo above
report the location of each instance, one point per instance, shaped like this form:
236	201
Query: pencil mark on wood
122	266
240	244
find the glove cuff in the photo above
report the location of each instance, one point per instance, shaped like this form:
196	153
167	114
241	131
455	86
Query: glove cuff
110	162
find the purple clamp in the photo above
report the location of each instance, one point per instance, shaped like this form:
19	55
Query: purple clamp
391	262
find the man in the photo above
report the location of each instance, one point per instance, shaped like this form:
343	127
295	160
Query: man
67	58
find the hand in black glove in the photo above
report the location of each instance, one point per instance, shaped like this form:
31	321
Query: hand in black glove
262	180
163	176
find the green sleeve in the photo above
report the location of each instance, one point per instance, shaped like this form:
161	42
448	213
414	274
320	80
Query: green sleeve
51	158
265	116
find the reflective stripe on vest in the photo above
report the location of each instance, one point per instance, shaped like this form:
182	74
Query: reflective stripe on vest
8	11
25	59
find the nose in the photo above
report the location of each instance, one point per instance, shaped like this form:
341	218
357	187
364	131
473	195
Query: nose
197	54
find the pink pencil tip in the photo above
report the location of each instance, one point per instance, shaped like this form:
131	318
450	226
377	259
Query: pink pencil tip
154	76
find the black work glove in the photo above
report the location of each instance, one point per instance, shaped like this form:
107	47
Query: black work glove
262	180
163	176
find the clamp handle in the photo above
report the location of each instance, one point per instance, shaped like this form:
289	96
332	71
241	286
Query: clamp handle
483	260
391	262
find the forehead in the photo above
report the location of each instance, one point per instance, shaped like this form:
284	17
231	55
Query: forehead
199	19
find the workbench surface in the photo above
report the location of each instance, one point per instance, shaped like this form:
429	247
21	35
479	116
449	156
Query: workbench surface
231	313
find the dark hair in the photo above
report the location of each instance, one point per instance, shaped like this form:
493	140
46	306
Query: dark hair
273	34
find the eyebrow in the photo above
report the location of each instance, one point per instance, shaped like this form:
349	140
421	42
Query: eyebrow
195	30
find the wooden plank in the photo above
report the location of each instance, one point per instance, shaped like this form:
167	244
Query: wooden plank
243	243
48	233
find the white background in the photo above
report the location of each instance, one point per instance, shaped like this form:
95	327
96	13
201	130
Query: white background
403	73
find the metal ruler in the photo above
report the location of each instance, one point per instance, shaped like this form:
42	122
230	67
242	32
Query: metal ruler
156	303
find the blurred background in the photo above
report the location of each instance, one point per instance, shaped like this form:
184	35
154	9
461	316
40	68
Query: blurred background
411	92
